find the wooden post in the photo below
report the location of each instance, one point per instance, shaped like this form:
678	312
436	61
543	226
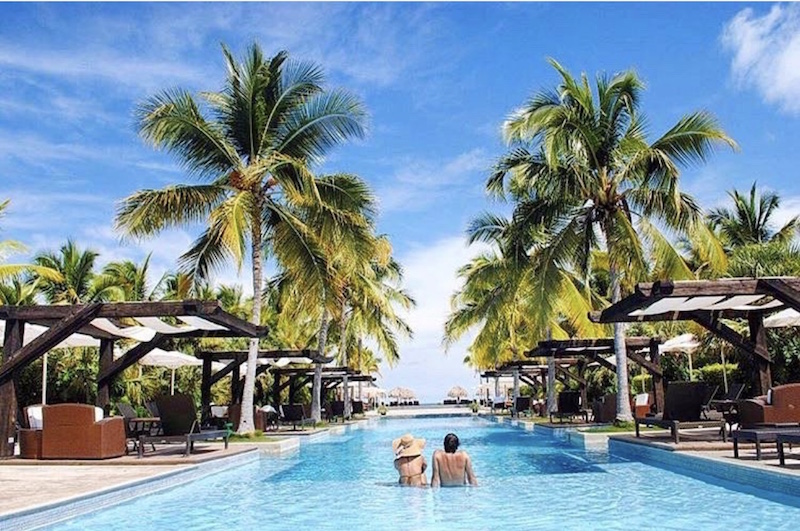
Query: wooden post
205	391
292	388
104	386
235	384
658	380
276	390
12	342
762	378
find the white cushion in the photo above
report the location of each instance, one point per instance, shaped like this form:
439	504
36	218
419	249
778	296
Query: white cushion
98	414
642	399
769	397
219	411
268	409
35	417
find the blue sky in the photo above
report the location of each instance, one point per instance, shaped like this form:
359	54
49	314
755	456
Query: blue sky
438	80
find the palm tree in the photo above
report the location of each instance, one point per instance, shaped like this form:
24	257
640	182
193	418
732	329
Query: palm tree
19	291
9	247
78	281
250	145
131	279
750	220
587	176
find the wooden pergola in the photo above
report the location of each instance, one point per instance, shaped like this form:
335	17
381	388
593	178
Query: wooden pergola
584	351
233	359
298	377
709	303
108	323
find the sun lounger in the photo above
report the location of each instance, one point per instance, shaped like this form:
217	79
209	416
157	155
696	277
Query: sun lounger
293	414
569	406
358	407
522	405
683	406
760	435
337	410
179	423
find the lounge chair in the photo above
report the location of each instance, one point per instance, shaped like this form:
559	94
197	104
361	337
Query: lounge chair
761	435
683	406
135	426
358	407
711	393
569	406
337	410
604	409
293	414
179	423
522	404
499	402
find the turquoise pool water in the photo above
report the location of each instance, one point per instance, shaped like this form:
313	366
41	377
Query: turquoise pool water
528	481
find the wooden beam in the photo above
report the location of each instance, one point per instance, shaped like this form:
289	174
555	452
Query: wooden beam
648	365
714	324
129	358
48	340
783	290
12	343
758	336
581	381
106	359
114	310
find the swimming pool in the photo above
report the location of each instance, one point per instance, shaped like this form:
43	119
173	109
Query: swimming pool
528	481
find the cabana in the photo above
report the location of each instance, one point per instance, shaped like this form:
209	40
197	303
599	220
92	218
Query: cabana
234	360
298	377
601	351
108	323
709	303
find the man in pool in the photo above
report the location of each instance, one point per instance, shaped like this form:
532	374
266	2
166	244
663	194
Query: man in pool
452	468
409	461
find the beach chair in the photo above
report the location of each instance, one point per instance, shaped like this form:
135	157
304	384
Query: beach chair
293	414
683	407
357	407
569	406
179	423
337	410
711	393
522	405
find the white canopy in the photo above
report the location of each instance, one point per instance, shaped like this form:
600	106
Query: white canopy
33	331
684	343
787	317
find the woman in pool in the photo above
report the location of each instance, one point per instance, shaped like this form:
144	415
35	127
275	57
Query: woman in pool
409	461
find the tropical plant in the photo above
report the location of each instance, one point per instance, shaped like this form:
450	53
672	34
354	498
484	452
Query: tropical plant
130	278
582	171
250	144
750	220
77	281
10	247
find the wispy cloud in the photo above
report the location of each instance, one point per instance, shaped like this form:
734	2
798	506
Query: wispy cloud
418	184
766	53
431	277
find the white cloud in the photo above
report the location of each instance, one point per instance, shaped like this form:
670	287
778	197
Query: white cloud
430	277
766	53
419	184
790	208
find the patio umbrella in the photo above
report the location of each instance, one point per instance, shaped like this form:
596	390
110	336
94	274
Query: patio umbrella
457	392
682	344
171	359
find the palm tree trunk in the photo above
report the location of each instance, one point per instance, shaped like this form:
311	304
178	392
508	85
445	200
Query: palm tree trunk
246	424
343	355
360	390
316	399
551	379
623	392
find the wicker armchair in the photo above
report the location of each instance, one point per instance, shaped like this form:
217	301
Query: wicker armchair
74	431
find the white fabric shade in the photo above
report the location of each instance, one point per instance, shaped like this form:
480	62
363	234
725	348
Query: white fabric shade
685	343
787	317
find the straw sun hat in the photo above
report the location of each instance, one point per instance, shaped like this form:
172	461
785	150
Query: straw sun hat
407	446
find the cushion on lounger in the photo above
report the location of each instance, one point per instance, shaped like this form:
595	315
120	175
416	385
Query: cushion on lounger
34	417
98	414
769	397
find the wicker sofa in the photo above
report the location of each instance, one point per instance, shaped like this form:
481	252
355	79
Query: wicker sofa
73	431
780	405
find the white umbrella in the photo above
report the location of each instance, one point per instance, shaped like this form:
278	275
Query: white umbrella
682	344
171	359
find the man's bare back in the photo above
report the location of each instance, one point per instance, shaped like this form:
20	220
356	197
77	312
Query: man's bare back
452	468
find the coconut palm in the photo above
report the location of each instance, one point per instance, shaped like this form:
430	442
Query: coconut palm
250	144
78	281
585	172
19	291
10	247
749	221
131	278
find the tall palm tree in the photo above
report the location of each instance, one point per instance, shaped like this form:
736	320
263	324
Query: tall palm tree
131	279
250	144
749	221
78	281
587	175
19	291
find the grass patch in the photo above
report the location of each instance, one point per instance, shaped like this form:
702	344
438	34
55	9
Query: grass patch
256	437
620	427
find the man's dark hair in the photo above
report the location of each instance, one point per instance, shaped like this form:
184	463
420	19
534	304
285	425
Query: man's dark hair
450	443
